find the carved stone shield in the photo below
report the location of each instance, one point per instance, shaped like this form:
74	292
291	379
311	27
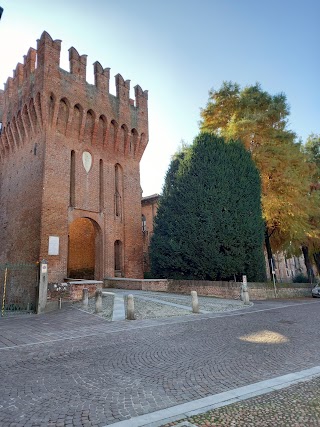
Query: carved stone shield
87	160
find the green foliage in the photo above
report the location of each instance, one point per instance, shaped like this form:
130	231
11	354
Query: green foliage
209	224
300	278
260	121
312	150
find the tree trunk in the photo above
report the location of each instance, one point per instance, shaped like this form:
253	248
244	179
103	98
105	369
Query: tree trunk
269	251
305	251
316	258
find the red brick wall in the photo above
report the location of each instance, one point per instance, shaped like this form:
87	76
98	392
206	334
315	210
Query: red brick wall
257	291
20	199
61	112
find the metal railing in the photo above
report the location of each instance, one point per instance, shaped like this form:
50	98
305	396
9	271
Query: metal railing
18	287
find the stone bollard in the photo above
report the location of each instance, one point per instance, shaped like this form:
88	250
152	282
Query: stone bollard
98	301
85	300
195	302
130	308
241	292
244	291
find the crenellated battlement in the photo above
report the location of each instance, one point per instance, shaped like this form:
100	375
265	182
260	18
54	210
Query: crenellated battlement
78	64
42	96
45	61
48	52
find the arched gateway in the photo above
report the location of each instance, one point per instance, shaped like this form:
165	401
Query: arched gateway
85	250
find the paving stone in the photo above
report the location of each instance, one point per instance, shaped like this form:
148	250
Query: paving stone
86	369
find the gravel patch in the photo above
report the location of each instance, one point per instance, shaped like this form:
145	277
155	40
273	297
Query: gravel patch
208	303
298	406
205	303
152	310
107	306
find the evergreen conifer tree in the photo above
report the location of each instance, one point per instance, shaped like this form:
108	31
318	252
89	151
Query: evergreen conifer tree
209	223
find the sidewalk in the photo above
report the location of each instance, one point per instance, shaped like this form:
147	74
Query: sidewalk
288	400
295	406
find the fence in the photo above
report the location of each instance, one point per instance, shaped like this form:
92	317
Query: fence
18	288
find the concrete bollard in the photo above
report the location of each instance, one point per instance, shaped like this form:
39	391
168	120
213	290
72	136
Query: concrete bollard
241	292
195	302
98	301
85	299
244	291
130	307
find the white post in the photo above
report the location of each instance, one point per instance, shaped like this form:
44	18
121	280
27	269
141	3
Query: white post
245	293
98	301
43	286
273	278
85	300
130	308
195	302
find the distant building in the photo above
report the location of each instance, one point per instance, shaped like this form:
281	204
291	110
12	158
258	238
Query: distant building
149	207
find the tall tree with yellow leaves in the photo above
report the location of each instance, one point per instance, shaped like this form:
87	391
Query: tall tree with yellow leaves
260	121
312	244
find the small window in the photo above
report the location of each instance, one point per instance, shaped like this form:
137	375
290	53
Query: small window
144	223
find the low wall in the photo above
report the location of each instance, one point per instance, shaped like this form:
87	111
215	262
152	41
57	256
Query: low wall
257	291
76	288
72	291
155	285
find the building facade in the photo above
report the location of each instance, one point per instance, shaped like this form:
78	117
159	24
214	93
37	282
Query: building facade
69	167
149	207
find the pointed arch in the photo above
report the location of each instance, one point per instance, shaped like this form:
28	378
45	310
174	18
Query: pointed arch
85	249
26	121
72	201
20	128
89	126
63	116
118	258
5	140
33	115
133	141
123	138
38	108
101	186
118	185
14	132
51	105
102	130
113	130
77	121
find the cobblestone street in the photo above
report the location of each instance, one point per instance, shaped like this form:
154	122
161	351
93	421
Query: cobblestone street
72	368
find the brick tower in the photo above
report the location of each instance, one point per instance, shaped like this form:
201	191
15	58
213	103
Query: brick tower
69	167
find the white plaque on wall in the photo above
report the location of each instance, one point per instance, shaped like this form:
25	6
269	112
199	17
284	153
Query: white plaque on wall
53	245
87	160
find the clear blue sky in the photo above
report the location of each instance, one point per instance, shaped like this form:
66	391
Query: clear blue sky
178	50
